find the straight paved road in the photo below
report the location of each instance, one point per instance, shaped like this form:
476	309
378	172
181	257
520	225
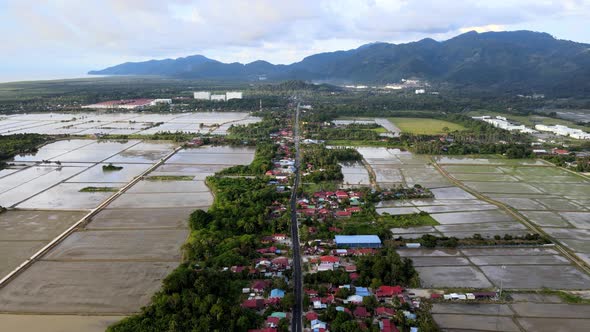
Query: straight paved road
296	320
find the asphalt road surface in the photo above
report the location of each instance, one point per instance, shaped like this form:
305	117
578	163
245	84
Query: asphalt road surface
296	320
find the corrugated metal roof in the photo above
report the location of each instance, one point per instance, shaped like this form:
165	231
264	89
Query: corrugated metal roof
342	239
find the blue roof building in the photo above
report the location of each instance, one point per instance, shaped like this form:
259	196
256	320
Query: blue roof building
277	293
358	241
362	291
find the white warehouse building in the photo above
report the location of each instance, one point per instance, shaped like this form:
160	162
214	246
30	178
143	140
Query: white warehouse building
202	95
503	123
161	101
564	131
218	97
233	95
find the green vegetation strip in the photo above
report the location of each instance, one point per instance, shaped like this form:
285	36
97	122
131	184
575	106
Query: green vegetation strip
98	189
408	220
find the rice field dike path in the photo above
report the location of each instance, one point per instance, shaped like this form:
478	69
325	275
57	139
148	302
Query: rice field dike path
297	317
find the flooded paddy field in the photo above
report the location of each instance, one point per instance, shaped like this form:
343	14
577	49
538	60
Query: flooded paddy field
459	214
554	199
355	175
96	173
532	313
123	123
117	260
112	245
465	160
514	268
163	200
22	233
141	218
394	167
84	287
56	185
57	323
20	186
219	155
67	196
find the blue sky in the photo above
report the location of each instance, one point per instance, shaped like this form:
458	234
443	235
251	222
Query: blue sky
66	38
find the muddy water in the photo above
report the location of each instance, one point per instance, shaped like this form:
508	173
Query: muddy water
56	323
22	233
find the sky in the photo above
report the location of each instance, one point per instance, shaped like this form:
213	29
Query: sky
46	39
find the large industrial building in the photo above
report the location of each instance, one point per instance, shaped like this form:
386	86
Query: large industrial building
564	131
358	241
503	123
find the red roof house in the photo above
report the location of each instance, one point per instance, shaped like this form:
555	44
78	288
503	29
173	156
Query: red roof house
361	312
329	259
255	304
388	326
354	209
272	321
343	214
383	311
341	194
311	316
388	291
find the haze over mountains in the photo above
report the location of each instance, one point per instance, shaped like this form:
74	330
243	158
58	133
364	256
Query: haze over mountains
517	60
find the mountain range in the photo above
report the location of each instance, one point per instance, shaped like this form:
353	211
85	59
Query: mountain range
515	60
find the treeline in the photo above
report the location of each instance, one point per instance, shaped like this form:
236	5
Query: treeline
259	130
12	145
318	131
386	267
432	241
510	150
193	300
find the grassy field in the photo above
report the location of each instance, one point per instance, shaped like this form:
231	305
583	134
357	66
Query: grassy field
424	126
408	220
380	130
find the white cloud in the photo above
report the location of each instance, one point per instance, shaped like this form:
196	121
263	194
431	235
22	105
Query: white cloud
245	30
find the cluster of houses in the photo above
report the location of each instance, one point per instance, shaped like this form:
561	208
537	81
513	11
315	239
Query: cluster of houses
272	264
329	204
382	314
283	168
348	298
